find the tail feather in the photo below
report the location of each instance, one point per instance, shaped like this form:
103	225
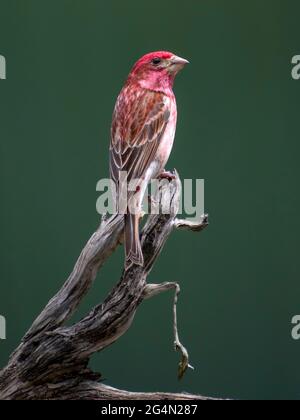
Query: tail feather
133	250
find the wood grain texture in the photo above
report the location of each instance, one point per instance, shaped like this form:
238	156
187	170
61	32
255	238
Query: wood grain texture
52	359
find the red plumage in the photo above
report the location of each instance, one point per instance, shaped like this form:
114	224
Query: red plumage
142	134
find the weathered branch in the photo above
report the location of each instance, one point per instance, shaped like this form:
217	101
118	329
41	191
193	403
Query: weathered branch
98	249
51	361
155	289
95	391
193	226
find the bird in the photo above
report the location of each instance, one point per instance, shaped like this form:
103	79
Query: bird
142	136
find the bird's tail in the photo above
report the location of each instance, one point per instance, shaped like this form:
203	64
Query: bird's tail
133	250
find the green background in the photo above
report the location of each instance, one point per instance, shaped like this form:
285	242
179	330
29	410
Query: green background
238	129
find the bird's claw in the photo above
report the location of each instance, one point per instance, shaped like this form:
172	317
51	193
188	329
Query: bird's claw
170	176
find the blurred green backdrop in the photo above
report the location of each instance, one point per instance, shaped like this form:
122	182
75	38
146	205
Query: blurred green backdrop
238	128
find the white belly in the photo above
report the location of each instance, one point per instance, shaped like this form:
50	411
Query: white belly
167	140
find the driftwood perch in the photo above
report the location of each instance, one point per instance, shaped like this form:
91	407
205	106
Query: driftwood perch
52	360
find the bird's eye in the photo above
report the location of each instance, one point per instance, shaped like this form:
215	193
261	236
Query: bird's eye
156	61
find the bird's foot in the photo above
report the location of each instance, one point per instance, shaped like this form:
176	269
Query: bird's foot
170	176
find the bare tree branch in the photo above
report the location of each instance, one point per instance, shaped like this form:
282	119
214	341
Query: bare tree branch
98	249
51	361
155	289
94	391
193	226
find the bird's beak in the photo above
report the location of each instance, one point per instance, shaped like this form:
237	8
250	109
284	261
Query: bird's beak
177	64
179	61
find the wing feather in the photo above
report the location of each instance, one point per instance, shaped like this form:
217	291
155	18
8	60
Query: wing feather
139	122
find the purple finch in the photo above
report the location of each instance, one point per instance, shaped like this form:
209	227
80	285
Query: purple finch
142	135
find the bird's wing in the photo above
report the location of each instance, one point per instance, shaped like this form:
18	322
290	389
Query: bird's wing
139	122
